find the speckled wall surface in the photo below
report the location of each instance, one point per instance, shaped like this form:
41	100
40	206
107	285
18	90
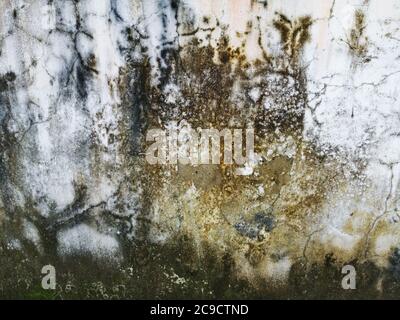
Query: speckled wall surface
83	81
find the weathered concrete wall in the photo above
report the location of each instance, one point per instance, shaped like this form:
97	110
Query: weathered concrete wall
81	82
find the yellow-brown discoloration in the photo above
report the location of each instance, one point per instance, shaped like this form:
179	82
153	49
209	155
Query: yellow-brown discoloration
293	34
358	42
264	219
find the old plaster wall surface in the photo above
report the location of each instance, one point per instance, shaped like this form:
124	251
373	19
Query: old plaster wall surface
81	82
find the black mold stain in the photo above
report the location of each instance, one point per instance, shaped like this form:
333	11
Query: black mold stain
247	230
252	229
265	221
6	80
394	261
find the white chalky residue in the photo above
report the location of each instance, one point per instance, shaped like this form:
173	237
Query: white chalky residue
385	243
83	239
280	269
31	233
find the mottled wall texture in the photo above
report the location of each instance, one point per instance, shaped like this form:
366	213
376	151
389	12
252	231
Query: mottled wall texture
83	81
